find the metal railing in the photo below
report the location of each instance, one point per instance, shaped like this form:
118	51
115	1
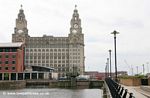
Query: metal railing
117	91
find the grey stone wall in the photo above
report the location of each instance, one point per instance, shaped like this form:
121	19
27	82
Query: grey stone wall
12	84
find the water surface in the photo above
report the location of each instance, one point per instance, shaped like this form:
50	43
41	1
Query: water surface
51	93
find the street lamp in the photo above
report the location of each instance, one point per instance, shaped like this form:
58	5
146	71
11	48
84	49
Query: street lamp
115	32
108	66
106	71
137	69
110	61
143	69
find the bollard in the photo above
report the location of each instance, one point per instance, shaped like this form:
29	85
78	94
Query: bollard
119	88
131	95
121	91
125	93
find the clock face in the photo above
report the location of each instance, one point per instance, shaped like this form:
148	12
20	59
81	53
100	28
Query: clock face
75	25
20	31
75	18
74	31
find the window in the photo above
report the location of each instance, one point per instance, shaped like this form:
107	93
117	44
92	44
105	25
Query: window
55	61
59	61
13	56
13	62
35	50
27	50
27	57
0	56
6	56
0	62
47	61
55	57
43	57
35	57
0	68
59	57
39	61
1	50
39	57
14	50
6	68
31	57
13	68
6	62
31	61
7	50
47	57
51	61
31	50
43	61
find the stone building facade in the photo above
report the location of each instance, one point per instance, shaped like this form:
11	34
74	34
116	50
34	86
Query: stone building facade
60	53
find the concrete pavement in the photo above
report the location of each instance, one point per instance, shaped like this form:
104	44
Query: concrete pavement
137	91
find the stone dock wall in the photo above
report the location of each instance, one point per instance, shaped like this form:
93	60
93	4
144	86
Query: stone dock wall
20	84
12	84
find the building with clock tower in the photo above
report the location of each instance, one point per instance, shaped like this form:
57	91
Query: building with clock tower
20	31
60	53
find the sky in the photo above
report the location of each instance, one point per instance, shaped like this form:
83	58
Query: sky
131	18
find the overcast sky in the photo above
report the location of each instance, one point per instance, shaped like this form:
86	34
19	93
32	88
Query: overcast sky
98	18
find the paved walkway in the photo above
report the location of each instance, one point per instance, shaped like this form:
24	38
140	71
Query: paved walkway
137	91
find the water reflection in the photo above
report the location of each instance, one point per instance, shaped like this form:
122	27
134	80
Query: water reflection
51	93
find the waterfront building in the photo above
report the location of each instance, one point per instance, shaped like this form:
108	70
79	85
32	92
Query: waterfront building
11	57
95	75
61	53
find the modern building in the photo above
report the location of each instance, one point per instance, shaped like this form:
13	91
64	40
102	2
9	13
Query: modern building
60	53
11	57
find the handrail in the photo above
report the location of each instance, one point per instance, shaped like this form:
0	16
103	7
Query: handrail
117	91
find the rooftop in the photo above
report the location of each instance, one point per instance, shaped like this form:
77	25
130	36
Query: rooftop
18	44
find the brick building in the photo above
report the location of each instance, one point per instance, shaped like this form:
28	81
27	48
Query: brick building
11	57
95	75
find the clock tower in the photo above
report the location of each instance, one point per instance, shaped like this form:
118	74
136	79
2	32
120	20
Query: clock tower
76	44
76	35
75	22
20	31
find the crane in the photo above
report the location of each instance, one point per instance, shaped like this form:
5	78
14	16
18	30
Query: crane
129	66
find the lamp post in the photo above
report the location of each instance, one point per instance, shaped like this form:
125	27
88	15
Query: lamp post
143	69
110	61
106	70
115	32
108	66
137	69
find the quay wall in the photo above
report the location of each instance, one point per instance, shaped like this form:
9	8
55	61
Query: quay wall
20	84
82	84
131	82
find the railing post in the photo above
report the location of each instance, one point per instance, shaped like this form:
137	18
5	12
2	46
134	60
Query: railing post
121	91
125	93
131	95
